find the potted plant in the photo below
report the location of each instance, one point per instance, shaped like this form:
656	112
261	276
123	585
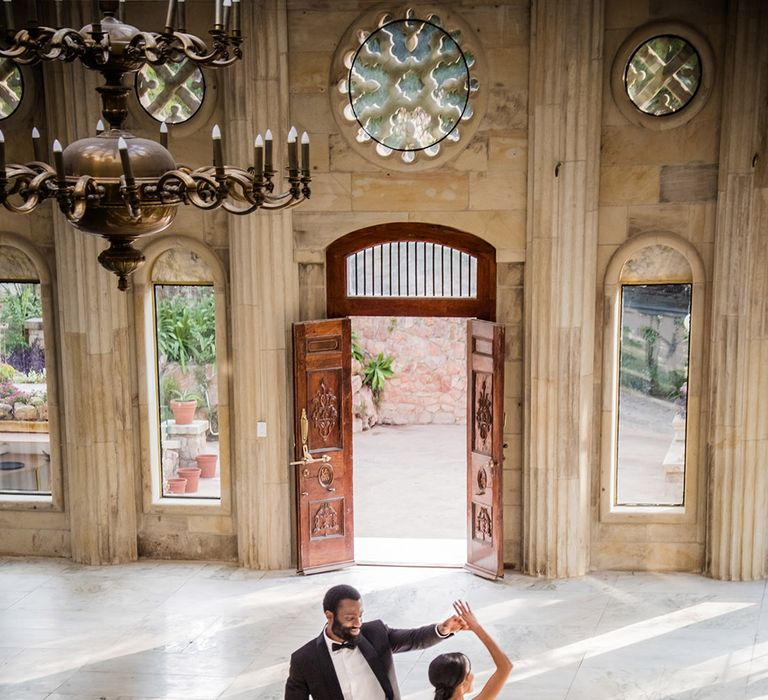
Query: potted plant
176	485
206	462
192	475
183	404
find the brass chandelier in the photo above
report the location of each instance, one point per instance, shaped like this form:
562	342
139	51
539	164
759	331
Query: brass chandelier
120	186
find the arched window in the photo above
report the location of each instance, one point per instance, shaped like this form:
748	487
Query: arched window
185	390
411	269
29	459
653	297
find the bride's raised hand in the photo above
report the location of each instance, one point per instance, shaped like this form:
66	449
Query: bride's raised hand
465	612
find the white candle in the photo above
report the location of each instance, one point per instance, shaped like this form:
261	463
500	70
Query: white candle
258	157
218	157
305	153
58	160
125	159
292	154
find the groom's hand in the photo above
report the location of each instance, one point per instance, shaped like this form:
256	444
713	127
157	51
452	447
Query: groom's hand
452	625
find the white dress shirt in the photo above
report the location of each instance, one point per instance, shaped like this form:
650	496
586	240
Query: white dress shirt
356	678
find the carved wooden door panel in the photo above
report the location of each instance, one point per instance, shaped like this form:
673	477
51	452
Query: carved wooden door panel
322	359
485	444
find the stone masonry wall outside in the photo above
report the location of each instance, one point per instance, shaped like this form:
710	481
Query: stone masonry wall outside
430	384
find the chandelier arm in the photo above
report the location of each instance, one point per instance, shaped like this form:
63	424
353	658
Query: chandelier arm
145	47
240	211
37	190
200	189
242	191
197	51
65	45
21	50
280	197
84	187
275	206
129	192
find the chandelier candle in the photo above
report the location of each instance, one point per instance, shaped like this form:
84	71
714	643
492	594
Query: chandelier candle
181	14
218	157
37	146
125	160
169	17
293	161
58	160
225	21
8	9
305	154
258	158
236	17
268	154
119	186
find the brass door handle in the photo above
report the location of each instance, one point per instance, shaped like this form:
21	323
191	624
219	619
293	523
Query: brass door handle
306	457
309	459
305	493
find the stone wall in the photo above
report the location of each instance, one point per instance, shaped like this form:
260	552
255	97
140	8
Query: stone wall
430	361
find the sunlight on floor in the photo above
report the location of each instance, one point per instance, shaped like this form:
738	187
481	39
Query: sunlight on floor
396	551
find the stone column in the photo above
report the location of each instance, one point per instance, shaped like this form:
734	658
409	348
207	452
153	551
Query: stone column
737	546
95	353
264	301
564	144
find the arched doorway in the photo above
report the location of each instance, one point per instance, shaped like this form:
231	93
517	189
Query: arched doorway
404	271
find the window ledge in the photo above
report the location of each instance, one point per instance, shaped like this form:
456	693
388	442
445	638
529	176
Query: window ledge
16	501
645	514
189	506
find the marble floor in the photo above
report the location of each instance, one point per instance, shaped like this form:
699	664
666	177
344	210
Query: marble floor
197	630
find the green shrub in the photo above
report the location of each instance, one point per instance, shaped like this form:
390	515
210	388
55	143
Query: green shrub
186	325
18	302
376	372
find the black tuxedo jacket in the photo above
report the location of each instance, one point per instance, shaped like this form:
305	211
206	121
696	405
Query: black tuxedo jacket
312	672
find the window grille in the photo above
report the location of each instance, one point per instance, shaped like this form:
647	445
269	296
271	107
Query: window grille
412	269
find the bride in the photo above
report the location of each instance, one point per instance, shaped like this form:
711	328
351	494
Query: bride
451	674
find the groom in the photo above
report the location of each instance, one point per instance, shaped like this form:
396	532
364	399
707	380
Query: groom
352	659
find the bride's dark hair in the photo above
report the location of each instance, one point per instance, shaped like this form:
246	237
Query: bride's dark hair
446	672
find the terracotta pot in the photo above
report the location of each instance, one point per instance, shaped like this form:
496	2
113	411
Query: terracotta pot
177	485
183	411
192	475
207	464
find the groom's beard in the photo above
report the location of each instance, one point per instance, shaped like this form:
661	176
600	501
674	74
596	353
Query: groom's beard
344	633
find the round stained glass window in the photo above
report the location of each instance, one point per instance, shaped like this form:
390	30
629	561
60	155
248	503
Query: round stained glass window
172	92
663	75
408	86
11	88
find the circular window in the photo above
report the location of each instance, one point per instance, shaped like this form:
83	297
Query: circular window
11	88
409	86
663	75
171	93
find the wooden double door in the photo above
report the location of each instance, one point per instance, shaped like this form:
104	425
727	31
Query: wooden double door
323	438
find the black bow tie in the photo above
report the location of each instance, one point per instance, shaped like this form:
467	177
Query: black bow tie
343	645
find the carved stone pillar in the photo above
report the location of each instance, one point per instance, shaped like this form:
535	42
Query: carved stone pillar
96	371
264	284
564	140
737	546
